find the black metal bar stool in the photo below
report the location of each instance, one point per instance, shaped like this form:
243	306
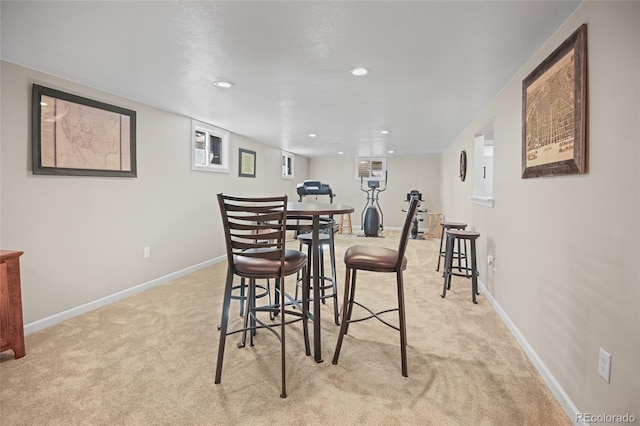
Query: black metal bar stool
326	282
461	236
459	255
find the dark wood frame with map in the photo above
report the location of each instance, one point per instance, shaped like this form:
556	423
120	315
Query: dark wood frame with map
554	111
76	136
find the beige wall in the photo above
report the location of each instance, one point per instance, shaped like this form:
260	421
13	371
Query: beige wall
83	237
567	248
421	172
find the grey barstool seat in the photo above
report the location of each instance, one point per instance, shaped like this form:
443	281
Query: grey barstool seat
472	272
459	254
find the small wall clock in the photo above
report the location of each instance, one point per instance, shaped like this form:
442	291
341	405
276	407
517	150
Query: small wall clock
463	165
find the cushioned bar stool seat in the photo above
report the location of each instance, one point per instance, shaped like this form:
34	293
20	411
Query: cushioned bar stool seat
326	282
472	272
459	254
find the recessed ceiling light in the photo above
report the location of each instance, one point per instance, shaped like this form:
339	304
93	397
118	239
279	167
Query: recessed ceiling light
223	84
390	152
384	132
312	135
340	152
359	71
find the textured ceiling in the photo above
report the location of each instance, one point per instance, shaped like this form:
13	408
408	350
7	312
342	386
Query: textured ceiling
434	64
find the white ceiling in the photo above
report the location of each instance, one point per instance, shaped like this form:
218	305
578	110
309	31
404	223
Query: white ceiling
434	64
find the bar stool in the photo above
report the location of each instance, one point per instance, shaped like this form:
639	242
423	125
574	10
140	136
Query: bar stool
461	235
434	229
458	255
341	225
326	282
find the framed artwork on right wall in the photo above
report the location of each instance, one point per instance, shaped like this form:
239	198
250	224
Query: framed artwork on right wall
554	111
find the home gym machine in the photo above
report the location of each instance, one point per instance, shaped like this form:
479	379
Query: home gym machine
414	193
372	219
314	187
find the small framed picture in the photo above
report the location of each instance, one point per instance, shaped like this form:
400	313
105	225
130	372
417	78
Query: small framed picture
247	162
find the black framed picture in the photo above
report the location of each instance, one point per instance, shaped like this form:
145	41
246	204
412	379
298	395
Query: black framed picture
247	163
77	136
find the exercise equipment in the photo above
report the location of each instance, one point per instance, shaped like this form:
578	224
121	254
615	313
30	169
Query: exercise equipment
415	232
314	187
372	218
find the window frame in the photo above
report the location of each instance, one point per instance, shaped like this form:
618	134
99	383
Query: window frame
209	130
383	172
285	157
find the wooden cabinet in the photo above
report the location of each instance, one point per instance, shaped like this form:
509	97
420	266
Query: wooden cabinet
11	327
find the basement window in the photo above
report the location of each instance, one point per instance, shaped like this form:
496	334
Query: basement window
287	165
370	168
209	148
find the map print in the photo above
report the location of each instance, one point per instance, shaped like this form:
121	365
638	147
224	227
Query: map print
550	121
78	136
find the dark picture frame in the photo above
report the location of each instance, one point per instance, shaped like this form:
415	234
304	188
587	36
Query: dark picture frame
246	163
554	111
77	136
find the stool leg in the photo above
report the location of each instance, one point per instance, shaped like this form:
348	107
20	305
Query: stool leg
474	272
246	325
442	235
466	259
334	280
403	324
242	296
322	289
459	252
447	264
283	358
224	321
346	311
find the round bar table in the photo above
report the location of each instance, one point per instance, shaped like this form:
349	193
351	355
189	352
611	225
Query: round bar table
314	211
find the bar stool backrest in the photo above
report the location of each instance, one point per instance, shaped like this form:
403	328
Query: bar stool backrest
406	228
254	227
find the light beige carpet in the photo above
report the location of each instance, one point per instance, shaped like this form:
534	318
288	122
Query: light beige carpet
150	360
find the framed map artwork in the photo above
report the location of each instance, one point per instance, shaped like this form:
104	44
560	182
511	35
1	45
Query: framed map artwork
554	111
76	136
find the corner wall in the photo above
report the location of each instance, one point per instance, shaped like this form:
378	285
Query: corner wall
567	248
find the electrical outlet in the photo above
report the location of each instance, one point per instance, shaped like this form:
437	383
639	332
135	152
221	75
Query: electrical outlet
604	365
147	252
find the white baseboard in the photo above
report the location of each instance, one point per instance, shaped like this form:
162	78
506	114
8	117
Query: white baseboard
561	396
112	298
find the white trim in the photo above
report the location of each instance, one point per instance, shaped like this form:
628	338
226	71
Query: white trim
482	201
561	396
284	156
210	130
112	298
